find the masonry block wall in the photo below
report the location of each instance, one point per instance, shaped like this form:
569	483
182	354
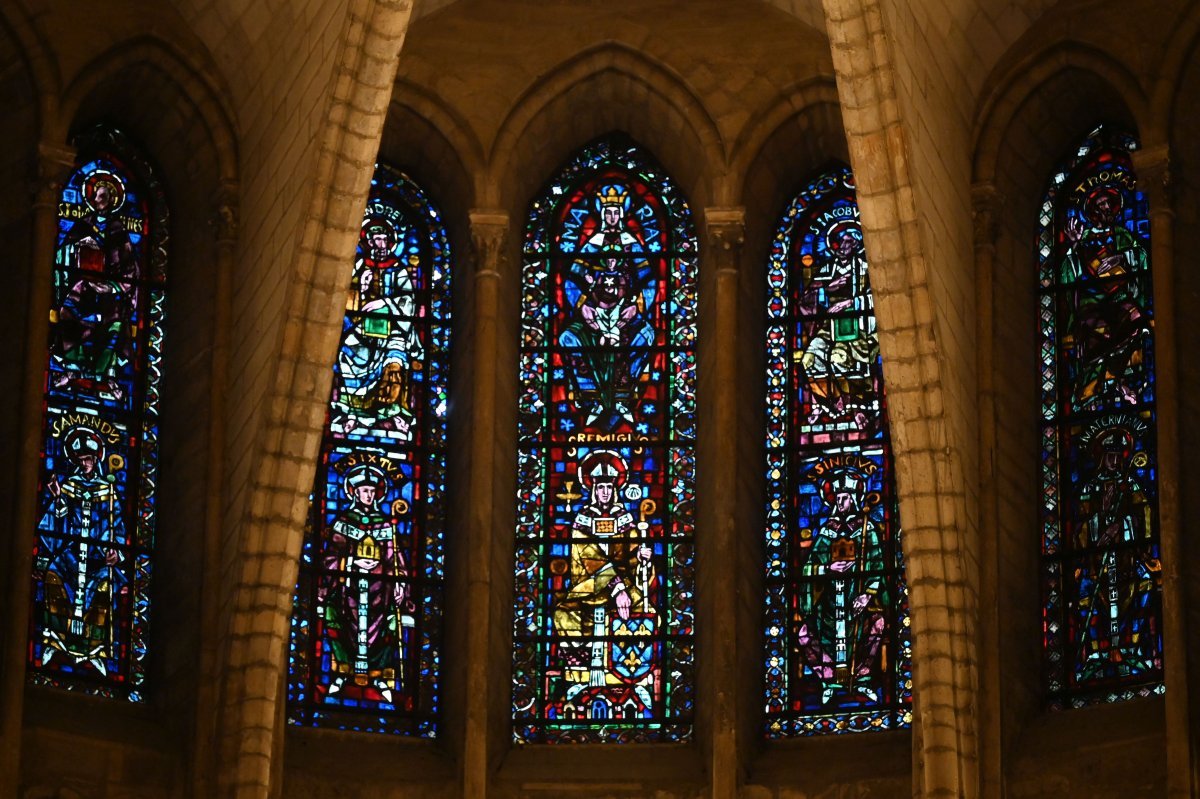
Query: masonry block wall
265	119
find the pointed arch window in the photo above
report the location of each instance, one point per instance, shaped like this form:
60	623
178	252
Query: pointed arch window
1101	569
606	479
838	650
366	625
98	506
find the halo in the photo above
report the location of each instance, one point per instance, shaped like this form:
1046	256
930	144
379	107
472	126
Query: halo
116	190
835	231
593	459
373	222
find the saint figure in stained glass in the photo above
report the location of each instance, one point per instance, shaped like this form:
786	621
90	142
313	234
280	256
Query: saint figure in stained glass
846	596
1102	573
363	590
838	653
92	338
82	524
610	294
603	634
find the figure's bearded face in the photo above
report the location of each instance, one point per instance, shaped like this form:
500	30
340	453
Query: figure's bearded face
847	246
1103	210
102	197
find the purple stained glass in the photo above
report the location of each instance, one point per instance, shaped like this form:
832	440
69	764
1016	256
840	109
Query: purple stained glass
604	608
838	656
366	629
1101	567
95	532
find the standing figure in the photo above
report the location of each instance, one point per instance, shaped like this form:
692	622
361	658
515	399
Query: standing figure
381	350
844	598
608	594
362	591
76	557
611	295
841	350
1108	322
91	338
1116	586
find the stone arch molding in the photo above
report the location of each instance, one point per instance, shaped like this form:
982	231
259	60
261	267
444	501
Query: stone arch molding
419	101
1016	86
41	68
197	85
770	119
669	106
1181	52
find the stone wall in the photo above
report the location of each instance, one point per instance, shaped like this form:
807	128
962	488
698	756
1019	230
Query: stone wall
265	119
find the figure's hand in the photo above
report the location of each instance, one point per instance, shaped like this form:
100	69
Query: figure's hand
861	601
644	553
364	282
401	591
1074	229
623	604
840	566
54	488
1111	263
628	312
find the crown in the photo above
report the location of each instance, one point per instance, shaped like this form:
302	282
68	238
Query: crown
611	195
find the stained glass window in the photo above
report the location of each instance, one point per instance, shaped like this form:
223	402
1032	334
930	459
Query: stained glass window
1101	573
366	628
97	515
838	650
606	479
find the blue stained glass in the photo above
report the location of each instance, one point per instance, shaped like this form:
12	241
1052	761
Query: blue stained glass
1101	561
96	526
838	656
366	629
604	605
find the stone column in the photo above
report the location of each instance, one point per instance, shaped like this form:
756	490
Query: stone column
725	229
54	167
986	205
225	226
1154	178
490	239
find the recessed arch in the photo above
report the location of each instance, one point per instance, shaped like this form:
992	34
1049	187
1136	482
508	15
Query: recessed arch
101	81
1016	86
642	97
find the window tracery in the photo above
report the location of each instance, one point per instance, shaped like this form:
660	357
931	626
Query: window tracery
838	650
93	552
366	628
606	479
1101	568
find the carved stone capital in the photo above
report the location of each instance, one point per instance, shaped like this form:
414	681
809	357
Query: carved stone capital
489	239
725	230
1153	166
986	202
226	221
54	165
